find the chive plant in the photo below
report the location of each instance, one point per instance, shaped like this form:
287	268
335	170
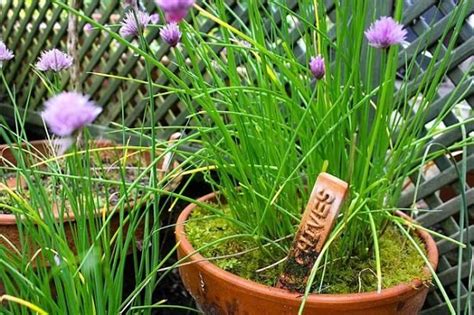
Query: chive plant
105	260
283	93
277	127
95	263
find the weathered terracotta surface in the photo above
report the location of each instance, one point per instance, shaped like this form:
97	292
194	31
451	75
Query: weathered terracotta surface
218	292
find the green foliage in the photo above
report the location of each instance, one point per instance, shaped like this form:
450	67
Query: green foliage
81	267
267	128
270	129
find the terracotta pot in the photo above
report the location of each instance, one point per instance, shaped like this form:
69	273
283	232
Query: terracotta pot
218	292
42	150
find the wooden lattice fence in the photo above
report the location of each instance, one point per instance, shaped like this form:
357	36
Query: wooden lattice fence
28	27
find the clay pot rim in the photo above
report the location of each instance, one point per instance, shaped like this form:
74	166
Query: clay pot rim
11	219
392	293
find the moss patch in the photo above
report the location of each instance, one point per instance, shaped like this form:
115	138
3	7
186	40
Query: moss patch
400	261
204	229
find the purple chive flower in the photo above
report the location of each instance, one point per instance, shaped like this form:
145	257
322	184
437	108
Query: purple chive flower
54	60
88	28
68	112
175	10
171	34
155	18
134	22
5	53
317	67
385	32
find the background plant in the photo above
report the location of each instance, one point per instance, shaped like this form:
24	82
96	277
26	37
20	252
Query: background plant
103	266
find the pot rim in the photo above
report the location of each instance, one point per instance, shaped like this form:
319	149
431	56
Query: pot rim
391	293
11	219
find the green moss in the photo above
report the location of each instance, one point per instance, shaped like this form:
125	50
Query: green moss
400	261
204	229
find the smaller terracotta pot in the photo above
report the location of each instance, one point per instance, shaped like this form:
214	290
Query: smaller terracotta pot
42	150
218	292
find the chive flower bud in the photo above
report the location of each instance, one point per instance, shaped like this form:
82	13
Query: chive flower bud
317	67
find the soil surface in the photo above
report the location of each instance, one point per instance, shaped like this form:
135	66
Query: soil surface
107	168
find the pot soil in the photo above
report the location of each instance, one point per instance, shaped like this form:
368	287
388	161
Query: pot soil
110	154
220	292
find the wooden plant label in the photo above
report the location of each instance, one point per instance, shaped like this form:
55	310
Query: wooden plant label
316	224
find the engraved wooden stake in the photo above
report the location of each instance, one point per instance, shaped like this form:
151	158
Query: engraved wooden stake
316	224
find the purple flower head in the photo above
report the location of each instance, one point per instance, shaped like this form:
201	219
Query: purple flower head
171	34
385	32
175	10
68	112
134	22
88	28
54	60
5	53
155	18
317	67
